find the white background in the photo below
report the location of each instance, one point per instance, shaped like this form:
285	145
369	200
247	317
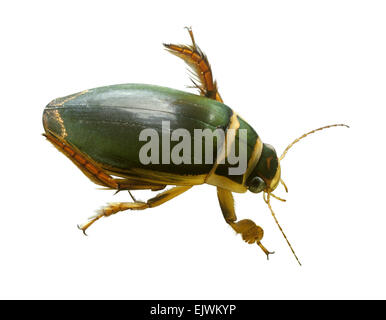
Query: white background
285	66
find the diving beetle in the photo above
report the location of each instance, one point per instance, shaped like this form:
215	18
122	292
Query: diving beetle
99	129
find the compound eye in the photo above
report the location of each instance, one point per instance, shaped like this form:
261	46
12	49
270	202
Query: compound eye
256	185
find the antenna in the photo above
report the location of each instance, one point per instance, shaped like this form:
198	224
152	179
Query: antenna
268	202
308	133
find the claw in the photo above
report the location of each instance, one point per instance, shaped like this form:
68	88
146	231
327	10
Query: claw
86	225
269	254
83	230
191	35
265	249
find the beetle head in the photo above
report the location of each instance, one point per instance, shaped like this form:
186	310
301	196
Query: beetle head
266	175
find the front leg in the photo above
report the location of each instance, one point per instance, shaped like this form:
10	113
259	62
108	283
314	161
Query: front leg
249	231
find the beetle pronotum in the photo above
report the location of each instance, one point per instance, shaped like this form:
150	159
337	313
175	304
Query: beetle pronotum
98	131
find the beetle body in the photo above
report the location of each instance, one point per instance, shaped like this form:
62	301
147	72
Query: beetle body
105	123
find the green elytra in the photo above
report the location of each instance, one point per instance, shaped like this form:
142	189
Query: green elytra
105	123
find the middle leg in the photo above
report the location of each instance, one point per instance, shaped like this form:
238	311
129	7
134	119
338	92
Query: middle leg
115	207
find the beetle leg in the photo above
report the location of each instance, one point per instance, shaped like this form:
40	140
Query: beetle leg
201	71
250	232
95	172
115	207
132	197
